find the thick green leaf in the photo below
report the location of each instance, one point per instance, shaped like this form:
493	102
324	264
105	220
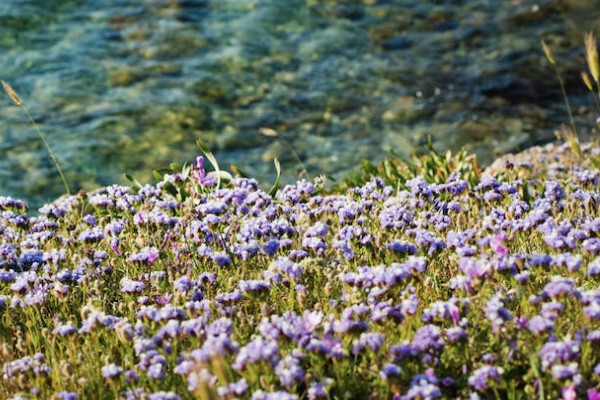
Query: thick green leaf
171	189
211	158
185	171
157	175
135	182
275	186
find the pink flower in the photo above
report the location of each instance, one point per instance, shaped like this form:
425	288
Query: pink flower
593	394
568	392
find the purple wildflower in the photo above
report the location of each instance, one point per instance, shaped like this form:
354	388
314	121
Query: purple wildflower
130	286
319	229
111	371
314	243
64	395
551	310
558	352
428	337
278	395
593	267
456	333
257	350
31	258
423	386
480	378
559	286
496	313
402	247
475	268
163	396
183	284
247	286
200	175
65	330
374	341
553	191
318	389
234	389
592	245
539	324
146	255
93	235
288	267
35	364
442	309
156	371
222	259
593	394
559	241
562	372
390	370
289	370
328	345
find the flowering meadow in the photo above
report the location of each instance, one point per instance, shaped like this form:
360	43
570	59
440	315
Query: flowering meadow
197	288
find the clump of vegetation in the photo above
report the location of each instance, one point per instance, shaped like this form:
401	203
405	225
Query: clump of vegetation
432	166
204	286
417	280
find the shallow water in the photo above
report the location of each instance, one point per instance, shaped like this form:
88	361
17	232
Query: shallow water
127	85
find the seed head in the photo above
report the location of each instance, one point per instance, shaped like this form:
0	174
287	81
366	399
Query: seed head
585	77
548	53
11	92
591	56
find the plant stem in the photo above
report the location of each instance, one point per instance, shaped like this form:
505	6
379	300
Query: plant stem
564	93
48	149
17	100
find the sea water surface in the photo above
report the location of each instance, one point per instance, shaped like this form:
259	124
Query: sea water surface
125	86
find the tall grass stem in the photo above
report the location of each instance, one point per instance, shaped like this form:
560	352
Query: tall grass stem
552	61
17	100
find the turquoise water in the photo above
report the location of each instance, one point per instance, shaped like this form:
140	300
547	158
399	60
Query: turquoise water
127	86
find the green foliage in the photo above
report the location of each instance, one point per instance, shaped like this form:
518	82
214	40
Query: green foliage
433	166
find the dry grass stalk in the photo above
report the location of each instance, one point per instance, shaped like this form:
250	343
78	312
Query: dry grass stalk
17	100
591	56
12	94
570	136
585	77
548	53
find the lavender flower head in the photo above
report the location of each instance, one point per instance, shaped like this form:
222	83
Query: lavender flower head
146	255
423	386
480	378
428	337
111	371
200	175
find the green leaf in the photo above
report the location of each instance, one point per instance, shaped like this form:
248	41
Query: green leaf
135	182
223	175
185	171
183	194
275	186
157	175
175	167
211	158
171	189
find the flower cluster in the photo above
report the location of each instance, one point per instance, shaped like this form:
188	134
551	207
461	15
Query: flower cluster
188	289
